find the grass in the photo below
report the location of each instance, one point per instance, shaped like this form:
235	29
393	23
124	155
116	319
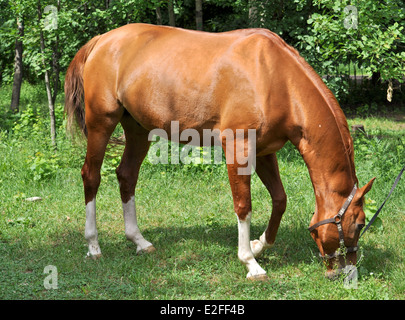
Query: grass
186	212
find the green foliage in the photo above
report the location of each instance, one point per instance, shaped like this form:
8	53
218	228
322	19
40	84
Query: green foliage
111	161
22	221
43	166
28	129
367	110
286	18
381	150
29	124
369	35
368	32
383	145
370	208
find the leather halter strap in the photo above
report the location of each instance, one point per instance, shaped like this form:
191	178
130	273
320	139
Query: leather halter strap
337	219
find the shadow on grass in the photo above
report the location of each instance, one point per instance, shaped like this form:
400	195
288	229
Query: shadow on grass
290	248
67	249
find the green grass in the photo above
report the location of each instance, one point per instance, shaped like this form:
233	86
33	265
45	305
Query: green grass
187	213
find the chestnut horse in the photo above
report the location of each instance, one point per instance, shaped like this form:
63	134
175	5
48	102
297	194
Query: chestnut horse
145	76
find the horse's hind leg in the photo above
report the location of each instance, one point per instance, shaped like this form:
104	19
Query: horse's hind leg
136	148
99	127
267	170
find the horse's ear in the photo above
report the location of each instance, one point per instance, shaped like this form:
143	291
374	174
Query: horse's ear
366	188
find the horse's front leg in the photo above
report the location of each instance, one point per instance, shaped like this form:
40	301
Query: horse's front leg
268	172
245	254
240	186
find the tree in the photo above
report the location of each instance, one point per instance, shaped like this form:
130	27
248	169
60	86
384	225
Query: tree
18	66
172	17
256	13
286	18
199	14
368	33
158	15
50	23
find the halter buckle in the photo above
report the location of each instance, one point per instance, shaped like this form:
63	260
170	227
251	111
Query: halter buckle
338	219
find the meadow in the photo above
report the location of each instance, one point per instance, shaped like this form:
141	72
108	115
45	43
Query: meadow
186	211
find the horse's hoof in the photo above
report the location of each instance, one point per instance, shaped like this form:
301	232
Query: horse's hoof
333	274
94	256
258	277
147	250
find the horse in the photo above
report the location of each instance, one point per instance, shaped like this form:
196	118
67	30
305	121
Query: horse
146	76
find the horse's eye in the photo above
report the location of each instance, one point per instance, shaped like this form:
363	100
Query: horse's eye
360	226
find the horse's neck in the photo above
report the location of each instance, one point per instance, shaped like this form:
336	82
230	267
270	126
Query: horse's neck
330	174
327	149
318	128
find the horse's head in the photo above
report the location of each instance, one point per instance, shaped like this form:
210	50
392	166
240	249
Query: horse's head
337	233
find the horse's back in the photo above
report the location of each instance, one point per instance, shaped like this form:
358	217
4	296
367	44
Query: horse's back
201	79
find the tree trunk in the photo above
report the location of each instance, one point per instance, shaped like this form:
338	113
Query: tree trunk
376	79
107	3
199	14
256	9
252	14
51	104
172	17
55	63
158	15
18	67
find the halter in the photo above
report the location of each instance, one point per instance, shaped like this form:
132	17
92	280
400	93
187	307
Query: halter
337	219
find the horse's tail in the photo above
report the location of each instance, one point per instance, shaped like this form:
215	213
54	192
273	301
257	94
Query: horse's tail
74	93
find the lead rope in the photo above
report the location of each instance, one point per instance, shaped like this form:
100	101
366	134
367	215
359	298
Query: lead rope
380	208
350	271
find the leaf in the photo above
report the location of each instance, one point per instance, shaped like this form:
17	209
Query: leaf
370	210
377	224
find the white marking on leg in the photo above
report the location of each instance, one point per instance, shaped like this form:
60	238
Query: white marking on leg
245	254
258	246
132	231
90	232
